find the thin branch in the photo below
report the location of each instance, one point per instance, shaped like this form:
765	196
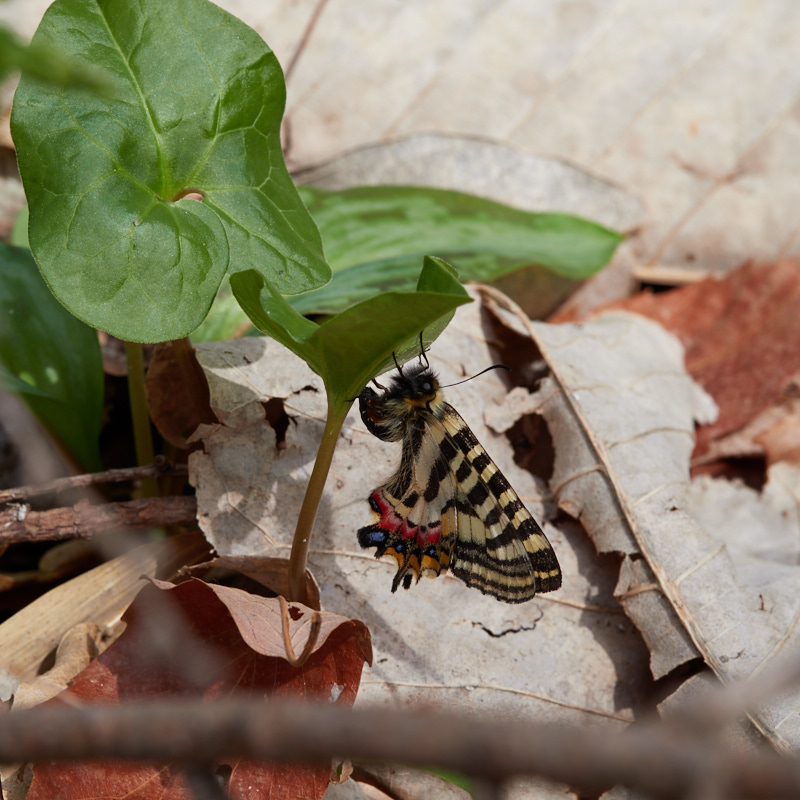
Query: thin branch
650	758
84	520
160	466
302	44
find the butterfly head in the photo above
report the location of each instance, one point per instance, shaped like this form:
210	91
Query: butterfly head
413	392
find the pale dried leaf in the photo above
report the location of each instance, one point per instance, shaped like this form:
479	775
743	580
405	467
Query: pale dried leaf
739	735
100	595
348	790
644	602
8	685
621	410
760	530
245	482
623	793
440	643
78	647
404	783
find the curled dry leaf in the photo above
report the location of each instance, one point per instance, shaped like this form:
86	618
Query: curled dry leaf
270	572
621	410
177	392
207	641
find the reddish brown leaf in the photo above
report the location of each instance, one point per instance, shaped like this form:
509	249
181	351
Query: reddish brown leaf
177	392
742	338
207	641
266	570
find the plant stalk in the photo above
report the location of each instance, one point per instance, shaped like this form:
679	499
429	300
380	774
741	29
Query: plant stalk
337	411
140	417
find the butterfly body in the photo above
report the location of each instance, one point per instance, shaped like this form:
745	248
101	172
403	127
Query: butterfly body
448	506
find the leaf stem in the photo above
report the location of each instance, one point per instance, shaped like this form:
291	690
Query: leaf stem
140	417
337	411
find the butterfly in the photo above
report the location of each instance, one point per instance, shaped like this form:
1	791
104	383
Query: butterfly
448	506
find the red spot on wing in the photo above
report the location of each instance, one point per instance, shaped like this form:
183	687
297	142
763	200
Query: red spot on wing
392	522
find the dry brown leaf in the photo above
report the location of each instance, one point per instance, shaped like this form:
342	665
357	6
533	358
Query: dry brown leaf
742	339
204	641
621	411
259	621
773	435
177	392
270	572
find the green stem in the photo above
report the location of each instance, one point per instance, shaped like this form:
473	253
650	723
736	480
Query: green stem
139	414
308	512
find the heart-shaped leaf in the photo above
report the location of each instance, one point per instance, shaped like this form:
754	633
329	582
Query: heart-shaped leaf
194	104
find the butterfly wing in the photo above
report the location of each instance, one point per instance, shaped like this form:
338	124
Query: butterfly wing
411	527
449	506
499	548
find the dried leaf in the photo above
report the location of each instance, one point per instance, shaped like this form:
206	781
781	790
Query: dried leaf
100	595
640	595
270	572
621	410
739	735
440	643
78	647
177	392
760	530
195	639
742	338
405	783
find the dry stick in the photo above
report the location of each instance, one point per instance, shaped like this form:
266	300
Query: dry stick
160	466
84	520
650	758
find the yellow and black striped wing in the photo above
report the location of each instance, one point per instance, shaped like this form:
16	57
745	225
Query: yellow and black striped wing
449	506
498	546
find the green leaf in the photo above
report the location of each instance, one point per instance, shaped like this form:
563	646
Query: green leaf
19	230
44	63
50	358
194	105
225	320
375	235
354	346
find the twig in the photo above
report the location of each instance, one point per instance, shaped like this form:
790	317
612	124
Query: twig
84	520
307	31
647	757
160	466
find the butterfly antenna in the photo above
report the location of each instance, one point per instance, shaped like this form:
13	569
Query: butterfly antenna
488	369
